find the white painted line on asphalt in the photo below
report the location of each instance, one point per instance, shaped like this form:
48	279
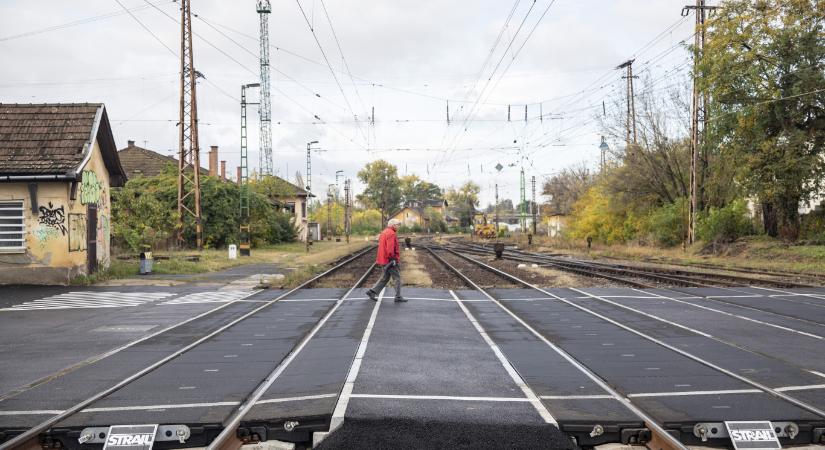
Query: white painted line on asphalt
794	294
346	393
441	397
30	413
295	399
578	397
684	393
801	388
160	407
749	319
528	392
311	300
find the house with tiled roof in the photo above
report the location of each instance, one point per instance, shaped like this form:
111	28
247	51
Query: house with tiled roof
139	161
58	163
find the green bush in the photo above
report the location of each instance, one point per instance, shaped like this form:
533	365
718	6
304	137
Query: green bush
144	212
667	225
726	224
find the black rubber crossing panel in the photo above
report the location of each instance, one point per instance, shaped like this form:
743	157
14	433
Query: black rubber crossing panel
795	309
87	381
633	365
749	312
255	346
786	350
549	374
430	348
320	293
312	382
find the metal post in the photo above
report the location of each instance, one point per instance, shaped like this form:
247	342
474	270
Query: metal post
347	203
265	111
188	147
523	206
496	211
631	103
534	206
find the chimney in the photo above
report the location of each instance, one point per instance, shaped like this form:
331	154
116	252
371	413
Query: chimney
131	143
239	175
223	170
213	161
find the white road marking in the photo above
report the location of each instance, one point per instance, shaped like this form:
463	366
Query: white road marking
684	393
801	388
441	397
294	399
578	397
90	299
528	392
749	319
209	297
343	400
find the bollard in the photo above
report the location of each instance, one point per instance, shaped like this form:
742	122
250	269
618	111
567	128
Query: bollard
499	249
146	263
233	251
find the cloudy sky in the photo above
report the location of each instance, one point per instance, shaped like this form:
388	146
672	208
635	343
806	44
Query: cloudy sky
407	59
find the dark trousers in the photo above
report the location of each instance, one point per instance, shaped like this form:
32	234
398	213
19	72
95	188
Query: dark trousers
389	271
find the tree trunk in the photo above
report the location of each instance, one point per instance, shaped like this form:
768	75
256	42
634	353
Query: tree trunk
789	218
769	219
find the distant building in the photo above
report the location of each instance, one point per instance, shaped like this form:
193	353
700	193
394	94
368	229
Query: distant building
58	163
413	213
138	161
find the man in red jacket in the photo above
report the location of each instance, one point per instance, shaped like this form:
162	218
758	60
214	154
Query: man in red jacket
388	258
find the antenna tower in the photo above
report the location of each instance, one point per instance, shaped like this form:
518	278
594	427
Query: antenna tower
189	181
265	111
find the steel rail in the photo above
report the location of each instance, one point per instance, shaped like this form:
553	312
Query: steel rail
32	433
228	437
655	427
810	408
687	275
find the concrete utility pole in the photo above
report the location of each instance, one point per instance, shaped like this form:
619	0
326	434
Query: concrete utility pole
189	185
338	173
603	148
265	110
330	232
309	165
347	204
698	103
534	206
631	102
496	210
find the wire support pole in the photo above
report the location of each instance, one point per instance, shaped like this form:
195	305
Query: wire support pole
265	109
533	205
189	184
697	127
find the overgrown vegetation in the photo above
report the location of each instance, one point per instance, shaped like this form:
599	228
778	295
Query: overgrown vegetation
144	213
764	145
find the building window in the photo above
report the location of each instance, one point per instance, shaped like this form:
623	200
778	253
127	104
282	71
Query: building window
290	208
12	226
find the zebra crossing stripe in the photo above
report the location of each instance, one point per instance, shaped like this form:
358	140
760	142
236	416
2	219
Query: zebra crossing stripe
76	300
209	297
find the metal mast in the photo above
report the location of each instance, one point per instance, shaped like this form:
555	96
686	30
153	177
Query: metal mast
533	205
697	127
189	183
523	206
265	111
243	177
631	102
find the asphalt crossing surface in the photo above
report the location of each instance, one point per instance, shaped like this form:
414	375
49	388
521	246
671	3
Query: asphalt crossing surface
448	369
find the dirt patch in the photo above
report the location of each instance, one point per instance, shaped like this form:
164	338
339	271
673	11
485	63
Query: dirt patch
549	277
441	276
413	272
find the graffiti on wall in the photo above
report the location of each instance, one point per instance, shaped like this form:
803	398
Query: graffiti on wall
77	232
91	189
103	237
53	217
44	234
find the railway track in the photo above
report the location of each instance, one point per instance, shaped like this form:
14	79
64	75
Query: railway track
56	430
664	432
637	276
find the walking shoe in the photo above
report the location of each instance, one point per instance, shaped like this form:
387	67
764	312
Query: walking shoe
372	295
400	299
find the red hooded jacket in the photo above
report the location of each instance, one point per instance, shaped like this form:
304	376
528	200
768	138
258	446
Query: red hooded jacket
387	247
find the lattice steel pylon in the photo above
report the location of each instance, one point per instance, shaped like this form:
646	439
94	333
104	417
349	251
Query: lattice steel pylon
265	110
189	181
243	178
